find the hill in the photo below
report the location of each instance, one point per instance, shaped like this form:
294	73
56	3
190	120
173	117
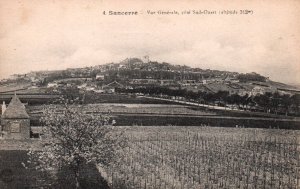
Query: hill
135	72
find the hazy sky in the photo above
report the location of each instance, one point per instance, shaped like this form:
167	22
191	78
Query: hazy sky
41	35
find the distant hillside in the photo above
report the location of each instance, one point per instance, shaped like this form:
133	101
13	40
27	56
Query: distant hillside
136	72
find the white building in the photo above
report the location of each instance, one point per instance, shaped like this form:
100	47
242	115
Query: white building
100	77
52	85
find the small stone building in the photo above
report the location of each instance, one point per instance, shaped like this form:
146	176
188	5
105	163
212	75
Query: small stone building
15	121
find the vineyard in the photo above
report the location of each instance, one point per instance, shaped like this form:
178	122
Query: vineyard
206	157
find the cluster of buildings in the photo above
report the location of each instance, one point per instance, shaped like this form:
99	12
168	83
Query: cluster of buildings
133	72
106	88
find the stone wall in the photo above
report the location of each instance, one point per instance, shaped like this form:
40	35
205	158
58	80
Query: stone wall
16	128
14	175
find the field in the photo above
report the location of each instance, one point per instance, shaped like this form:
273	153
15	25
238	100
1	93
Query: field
14	86
176	157
206	157
145	109
172	114
92	98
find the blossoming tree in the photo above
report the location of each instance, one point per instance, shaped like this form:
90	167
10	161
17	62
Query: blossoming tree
74	138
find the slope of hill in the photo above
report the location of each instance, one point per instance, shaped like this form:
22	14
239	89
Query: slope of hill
135	72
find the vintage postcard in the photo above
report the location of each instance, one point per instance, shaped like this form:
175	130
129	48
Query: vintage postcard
169	94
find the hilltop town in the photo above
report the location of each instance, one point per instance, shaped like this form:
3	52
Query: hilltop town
141	72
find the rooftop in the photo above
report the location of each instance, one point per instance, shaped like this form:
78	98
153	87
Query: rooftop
15	110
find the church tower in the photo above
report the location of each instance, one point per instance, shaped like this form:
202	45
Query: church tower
15	120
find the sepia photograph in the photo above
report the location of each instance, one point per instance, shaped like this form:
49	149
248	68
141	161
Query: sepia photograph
139	94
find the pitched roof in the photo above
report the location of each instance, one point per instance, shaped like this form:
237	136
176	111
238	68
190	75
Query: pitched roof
113	84
15	110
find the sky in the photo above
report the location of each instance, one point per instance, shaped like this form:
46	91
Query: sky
48	34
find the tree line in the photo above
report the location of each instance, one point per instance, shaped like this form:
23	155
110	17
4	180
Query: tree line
268	102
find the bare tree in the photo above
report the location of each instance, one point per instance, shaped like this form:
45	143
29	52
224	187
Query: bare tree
74	138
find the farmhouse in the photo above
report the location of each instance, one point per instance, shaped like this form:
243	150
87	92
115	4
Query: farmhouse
111	87
15	123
